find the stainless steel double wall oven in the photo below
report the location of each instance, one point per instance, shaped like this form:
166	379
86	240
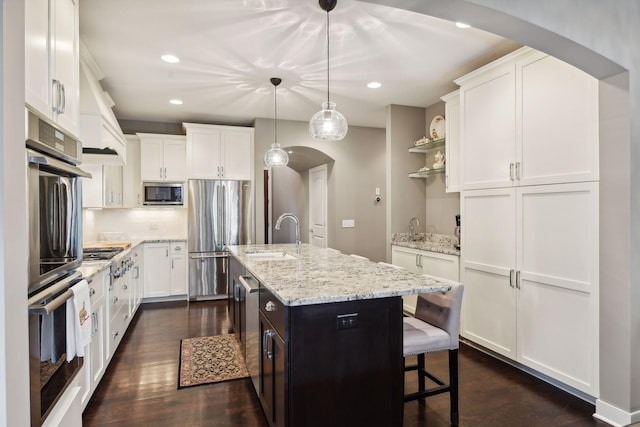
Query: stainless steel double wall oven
55	252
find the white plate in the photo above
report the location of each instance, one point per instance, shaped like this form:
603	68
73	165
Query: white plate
437	128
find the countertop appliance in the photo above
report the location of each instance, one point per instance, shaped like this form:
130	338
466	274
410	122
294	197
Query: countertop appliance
162	193
100	254
219	214
55	252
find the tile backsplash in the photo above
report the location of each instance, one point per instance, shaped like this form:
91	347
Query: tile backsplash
128	224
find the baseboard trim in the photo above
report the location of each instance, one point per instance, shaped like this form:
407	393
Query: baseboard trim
615	416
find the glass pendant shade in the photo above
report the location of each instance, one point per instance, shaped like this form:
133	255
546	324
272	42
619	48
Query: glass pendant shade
328	124
276	156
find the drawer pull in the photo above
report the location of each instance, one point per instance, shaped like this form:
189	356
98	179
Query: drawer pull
115	300
270	306
115	335
125	287
92	292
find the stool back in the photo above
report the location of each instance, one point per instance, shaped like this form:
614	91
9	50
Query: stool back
442	310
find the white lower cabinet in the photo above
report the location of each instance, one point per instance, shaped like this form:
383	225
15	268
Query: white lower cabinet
424	262
530	269
68	410
95	353
165	272
178	268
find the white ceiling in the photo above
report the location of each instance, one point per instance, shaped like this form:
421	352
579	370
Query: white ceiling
229	49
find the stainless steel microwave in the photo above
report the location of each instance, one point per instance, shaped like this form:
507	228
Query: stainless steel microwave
162	193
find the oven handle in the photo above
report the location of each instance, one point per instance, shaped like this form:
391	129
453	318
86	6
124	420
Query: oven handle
41	159
37	302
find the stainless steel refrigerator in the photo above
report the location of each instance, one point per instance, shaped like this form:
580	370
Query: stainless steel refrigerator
220	214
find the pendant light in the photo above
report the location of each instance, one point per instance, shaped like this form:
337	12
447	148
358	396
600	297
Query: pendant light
328	124
276	156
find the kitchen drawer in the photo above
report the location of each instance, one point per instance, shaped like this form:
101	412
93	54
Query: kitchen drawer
96	286
117	300
178	248
117	328
273	310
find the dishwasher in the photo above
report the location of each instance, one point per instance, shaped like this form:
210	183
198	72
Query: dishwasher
251	328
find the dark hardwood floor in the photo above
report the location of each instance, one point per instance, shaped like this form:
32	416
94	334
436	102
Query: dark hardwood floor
140	385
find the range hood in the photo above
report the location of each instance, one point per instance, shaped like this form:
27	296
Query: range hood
102	138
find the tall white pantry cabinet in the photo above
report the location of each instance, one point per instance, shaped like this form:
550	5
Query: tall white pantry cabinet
529	206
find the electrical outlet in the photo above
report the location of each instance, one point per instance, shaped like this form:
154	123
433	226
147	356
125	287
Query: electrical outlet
153	226
348	223
347	321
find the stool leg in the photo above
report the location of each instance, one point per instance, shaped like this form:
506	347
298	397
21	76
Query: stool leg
421	372
453	384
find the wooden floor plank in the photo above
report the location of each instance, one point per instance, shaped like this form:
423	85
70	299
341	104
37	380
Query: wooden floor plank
140	385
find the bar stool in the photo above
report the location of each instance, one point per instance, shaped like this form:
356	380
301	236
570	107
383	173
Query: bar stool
435	327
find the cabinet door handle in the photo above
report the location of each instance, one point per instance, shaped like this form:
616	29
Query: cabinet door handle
94	318
165	173
417	262
222	169
115	300
518	279
92	292
63	100
166	252
270	306
55	84
511	176
511	279
267	339
115	335
125	287
518	171
172	263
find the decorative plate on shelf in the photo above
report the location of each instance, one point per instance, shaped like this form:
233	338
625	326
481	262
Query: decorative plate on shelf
437	128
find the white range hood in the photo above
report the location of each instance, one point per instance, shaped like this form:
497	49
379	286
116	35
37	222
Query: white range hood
102	138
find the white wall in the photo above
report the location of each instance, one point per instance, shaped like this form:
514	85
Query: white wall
141	223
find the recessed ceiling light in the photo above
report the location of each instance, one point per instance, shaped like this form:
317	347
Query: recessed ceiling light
175	102
171	59
374	85
462	25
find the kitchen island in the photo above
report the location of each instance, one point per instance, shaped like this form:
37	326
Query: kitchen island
330	334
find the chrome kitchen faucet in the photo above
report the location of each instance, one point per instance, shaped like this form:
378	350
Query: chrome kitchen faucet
297	221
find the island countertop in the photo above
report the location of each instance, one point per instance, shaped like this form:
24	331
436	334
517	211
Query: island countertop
317	276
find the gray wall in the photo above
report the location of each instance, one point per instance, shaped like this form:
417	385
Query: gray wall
406	196
289	194
358	168
442	207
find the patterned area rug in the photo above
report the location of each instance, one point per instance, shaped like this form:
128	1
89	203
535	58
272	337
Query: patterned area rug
206	360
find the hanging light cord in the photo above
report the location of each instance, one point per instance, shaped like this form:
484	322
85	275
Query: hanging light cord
275	117
328	56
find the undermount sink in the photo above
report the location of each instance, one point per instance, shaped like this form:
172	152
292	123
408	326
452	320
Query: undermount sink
269	255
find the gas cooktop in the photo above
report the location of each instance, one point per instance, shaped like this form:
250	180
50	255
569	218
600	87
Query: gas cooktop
100	254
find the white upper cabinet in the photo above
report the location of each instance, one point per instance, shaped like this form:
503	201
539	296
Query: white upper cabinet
162	157
452	144
52	61
219	152
557	137
528	119
487	131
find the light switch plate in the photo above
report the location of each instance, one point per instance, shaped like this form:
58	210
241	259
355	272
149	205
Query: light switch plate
348	223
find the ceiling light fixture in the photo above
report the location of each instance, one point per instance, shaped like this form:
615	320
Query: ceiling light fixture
328	124
462	25
374	85
276	156
175	101
171	59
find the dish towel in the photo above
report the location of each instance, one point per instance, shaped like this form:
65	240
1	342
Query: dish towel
78	320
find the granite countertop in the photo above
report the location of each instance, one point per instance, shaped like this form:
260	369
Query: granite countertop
317	276
441	243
